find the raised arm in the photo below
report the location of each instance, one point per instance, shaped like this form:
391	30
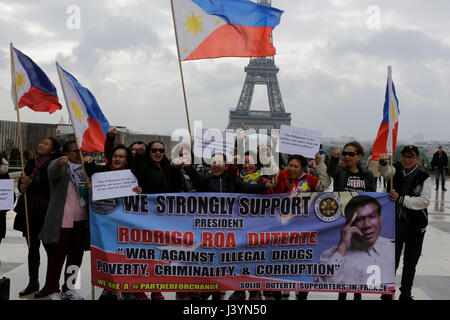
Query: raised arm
333	165
321	169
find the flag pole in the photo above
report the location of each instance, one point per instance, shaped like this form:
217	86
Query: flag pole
81	157
181	73
391	160
19	128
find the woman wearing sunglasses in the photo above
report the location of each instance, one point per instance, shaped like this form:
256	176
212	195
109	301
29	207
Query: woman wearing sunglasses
155	174
350	176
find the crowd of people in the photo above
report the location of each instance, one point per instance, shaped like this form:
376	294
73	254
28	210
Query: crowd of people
54	188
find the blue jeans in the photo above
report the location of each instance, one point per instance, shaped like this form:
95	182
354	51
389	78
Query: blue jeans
440	172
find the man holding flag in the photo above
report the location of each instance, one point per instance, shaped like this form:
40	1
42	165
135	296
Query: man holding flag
409	187
411	191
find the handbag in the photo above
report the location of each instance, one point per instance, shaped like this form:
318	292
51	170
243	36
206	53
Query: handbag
4	288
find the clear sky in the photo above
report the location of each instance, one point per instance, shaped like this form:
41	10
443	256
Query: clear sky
332	56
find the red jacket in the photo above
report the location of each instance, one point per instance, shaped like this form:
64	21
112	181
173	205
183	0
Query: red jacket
306	183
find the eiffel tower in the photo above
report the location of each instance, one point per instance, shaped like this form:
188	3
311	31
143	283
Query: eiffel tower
260	71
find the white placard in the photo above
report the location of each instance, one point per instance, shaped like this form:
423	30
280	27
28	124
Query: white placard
113	184
210	141
305	142
6	194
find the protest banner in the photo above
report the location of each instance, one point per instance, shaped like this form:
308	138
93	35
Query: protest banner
209	242
113	184
305	142
6	194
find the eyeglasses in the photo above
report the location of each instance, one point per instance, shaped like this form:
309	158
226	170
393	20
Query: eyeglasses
350	154
161	150
73	150
118	156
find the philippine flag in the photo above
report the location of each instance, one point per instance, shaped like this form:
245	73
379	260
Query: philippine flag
386	140
224	28
31	85
89	124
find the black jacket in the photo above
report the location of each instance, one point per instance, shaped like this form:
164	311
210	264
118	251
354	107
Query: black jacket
340	175
439	160
36	215
417	218
153	179
224	183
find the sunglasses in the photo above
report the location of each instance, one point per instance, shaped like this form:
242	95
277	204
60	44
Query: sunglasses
350	154
155	150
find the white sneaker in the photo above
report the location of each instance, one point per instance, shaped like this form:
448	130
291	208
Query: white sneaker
71	295
54	296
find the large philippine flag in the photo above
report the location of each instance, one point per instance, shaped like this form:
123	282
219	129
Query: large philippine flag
89	124
31	85
224	28
386	139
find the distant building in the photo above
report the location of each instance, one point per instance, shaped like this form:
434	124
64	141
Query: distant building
32	134
418	137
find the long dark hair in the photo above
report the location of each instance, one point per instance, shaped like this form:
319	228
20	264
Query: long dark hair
127	150
164	161
56	148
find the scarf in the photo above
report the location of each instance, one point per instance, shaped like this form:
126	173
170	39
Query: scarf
37	199
40	163
76	175
252	178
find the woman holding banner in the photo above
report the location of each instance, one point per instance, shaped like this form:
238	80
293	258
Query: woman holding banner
219	180
250	172
295	179
155	174
35	183
350	176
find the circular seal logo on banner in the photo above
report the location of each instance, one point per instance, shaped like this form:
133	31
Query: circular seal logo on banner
303	186
328	207
105	206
